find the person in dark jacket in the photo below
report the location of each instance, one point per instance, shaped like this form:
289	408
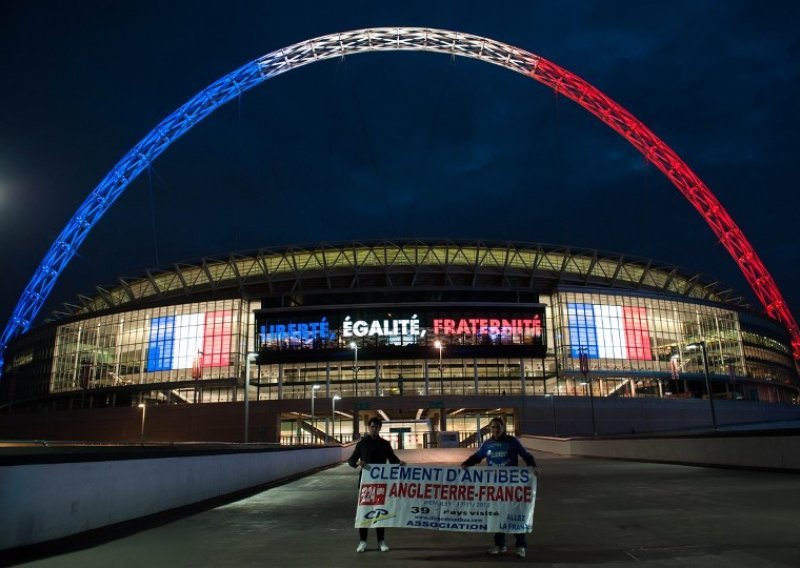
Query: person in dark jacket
502	450
373	449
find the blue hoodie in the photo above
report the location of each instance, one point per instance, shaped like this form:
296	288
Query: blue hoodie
505	451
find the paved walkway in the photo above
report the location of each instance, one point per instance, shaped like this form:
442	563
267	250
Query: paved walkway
589	513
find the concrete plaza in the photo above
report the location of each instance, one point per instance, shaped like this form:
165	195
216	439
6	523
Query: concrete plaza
589	512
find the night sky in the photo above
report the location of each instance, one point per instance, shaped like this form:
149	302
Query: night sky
390	145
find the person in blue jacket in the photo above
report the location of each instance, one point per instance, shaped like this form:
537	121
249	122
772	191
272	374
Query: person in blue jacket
502	450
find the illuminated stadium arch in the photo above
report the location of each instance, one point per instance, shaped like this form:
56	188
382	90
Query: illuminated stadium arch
396	39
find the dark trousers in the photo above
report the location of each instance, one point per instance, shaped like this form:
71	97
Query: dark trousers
362	533
500	540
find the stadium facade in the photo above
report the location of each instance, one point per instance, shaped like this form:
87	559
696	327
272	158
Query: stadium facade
439	330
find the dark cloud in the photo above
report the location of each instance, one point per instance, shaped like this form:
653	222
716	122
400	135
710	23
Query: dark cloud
395	145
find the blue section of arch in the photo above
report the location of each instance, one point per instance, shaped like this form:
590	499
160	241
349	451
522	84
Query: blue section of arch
111	187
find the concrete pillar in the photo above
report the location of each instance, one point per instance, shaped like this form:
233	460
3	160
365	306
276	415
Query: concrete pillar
356	425
299	427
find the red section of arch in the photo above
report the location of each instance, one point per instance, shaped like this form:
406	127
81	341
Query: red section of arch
687	182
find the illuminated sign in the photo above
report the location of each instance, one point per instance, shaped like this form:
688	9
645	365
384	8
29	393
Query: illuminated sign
295	333
493	327
612	332
334	329
382	328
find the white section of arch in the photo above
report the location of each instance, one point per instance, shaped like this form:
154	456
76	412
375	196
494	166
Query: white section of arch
398	39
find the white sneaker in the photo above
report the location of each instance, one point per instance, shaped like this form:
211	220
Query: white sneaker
362	546
384	546
496	550
520	551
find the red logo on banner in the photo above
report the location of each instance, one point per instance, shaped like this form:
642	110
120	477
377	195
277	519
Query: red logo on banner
372	494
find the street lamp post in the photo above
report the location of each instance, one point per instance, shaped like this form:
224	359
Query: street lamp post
143	406
333	415
354	347
553	401
439	346
250	357
314	389
583	359
702	346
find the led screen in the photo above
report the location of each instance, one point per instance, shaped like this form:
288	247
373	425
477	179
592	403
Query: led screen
190	340
608	332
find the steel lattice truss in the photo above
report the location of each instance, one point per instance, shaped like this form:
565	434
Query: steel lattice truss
474	264
395	39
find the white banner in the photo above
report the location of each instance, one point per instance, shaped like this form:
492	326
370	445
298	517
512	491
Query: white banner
476	499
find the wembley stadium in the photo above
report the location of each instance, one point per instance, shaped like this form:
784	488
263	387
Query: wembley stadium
433	336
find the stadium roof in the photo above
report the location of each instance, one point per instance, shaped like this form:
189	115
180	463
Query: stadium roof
398	264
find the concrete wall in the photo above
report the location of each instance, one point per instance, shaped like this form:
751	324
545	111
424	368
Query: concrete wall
572	416
45	501
544	416
217	422
778	451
